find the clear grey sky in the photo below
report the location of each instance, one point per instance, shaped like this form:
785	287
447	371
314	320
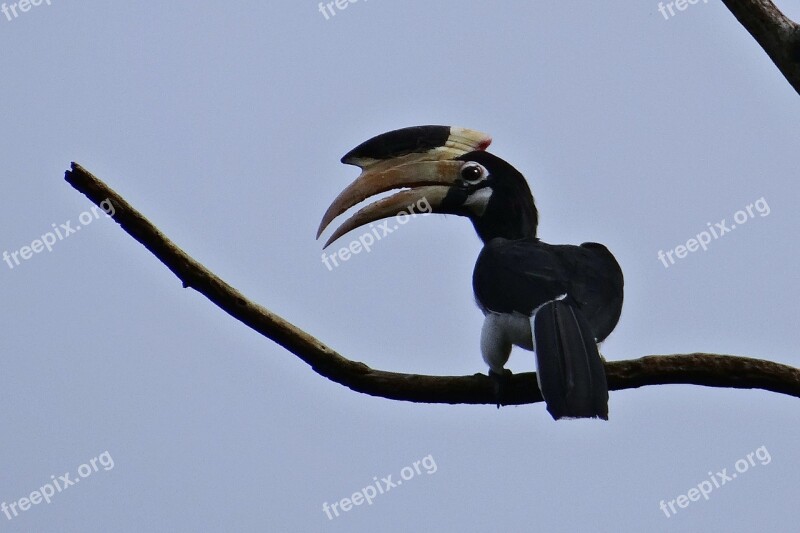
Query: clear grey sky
224	124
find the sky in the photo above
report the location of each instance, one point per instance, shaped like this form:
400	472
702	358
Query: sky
128	403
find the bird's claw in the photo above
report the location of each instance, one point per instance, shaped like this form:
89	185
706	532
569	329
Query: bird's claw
501	381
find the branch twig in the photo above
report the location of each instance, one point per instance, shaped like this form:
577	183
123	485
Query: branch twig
777	34
696	369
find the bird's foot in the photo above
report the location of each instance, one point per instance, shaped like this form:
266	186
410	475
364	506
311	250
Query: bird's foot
501	382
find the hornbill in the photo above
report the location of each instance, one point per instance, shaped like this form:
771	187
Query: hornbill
557	300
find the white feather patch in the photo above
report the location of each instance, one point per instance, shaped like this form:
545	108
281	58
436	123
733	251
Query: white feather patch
477	201
500	332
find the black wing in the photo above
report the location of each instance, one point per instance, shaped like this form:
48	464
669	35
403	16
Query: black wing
521	275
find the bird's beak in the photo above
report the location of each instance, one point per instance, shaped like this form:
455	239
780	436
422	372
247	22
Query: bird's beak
403	159
427	183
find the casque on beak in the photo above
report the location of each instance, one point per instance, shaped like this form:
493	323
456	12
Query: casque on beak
426	172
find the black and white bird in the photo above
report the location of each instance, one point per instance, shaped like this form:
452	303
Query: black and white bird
557	300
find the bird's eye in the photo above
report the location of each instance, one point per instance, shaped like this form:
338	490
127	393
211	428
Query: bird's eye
473	172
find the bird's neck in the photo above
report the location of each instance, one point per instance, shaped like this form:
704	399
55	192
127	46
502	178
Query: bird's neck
518	221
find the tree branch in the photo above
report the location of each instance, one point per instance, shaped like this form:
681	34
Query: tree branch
697	369
778	35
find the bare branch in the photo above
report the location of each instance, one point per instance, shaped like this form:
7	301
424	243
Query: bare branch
778	35
697	369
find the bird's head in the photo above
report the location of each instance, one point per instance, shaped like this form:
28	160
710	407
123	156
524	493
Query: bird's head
444	168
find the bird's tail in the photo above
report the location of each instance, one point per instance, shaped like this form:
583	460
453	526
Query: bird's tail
571	374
